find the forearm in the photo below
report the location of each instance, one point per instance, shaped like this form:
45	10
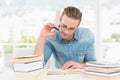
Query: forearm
39	48
45	33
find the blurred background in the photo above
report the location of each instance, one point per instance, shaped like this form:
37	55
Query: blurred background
22	20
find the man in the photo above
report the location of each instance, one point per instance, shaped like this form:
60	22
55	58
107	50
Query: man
71	46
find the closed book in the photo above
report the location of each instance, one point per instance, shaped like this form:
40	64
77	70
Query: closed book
34	78
30	74
103	70
27	67
103	64
101	76
27	59
40	77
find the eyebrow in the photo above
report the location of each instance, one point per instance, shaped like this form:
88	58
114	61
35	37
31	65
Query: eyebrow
68	28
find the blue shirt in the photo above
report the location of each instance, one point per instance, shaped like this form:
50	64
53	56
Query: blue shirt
79	49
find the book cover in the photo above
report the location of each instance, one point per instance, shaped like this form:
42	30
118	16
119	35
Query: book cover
102	76
103	64
27	67
27	59
30	74
103	70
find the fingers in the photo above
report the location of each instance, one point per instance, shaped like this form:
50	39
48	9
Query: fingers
52	33
46	30
50	26
73	65
67	65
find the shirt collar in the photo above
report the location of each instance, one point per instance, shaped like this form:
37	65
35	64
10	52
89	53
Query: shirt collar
60	37
76	35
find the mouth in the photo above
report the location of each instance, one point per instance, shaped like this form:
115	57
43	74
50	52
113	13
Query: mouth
65	35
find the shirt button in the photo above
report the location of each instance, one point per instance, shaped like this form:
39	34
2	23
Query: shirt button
68	44
69	51
70	56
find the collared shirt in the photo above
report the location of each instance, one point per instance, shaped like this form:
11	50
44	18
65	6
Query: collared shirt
79	49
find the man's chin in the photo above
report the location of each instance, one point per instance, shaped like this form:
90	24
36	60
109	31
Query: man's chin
65	38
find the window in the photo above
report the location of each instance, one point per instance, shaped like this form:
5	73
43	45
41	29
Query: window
25	19
22	20
1	58
110	29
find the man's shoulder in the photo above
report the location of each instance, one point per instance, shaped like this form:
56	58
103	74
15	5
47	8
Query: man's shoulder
52	38
81	31
84	34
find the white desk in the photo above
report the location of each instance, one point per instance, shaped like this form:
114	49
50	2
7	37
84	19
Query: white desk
8	75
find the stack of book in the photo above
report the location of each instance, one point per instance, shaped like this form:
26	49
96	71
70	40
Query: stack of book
103	71
29	68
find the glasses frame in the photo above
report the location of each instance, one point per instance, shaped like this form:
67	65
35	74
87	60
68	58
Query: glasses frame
64	28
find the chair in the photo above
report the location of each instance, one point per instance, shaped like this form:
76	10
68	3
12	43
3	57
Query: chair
51	63
22	52
113	54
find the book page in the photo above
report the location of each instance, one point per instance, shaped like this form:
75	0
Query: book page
62	72
55	72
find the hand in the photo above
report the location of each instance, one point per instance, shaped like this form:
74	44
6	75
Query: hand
46	30
73	65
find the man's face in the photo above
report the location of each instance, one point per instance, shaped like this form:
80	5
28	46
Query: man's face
68	27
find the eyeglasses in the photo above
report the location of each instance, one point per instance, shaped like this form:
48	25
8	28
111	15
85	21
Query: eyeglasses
64	28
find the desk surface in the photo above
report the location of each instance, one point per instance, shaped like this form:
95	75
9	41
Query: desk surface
8	75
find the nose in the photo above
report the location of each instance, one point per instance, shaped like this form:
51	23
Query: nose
66	31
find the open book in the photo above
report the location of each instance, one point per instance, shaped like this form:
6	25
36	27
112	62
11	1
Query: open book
62	72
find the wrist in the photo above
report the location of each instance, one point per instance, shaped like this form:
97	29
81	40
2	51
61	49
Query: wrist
42	37
41	40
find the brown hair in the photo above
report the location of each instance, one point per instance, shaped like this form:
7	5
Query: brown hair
72	12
